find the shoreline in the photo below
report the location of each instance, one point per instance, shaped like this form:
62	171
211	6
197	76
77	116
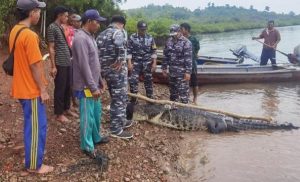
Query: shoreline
152	155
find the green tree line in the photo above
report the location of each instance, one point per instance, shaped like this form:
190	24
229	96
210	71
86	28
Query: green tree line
107	8
212	19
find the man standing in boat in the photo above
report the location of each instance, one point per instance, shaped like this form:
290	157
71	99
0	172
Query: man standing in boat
178	56
186	31
271	38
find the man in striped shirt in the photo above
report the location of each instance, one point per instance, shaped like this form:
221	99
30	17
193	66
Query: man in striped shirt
60	56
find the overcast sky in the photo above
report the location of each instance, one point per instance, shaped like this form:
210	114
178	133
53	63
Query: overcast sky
278	6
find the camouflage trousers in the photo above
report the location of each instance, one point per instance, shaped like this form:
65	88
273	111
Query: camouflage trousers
117	85
179	89
142	67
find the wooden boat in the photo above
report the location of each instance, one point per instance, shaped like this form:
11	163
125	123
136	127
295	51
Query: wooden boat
209	60
221	74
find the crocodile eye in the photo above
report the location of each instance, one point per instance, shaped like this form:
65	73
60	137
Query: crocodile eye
167	106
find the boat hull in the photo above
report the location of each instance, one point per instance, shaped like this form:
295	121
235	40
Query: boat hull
238	74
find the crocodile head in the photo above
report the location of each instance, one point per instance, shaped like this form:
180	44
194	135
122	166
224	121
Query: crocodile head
169	116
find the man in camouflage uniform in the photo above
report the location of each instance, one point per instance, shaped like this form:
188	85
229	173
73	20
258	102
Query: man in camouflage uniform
142	51
112	53
178	56
186	31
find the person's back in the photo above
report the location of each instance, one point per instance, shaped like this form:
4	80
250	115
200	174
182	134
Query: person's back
111	47
112	56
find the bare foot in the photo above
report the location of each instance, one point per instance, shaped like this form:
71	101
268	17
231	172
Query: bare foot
71	113
43	170
74	109
62	118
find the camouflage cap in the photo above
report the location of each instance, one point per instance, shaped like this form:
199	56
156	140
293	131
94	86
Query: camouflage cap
75	17
174	29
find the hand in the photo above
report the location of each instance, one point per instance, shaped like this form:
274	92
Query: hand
45	97
153	67
164	72
53	72
187	77
104	87
130	66
96	94
117	66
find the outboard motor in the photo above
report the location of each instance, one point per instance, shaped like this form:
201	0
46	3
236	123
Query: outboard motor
244	53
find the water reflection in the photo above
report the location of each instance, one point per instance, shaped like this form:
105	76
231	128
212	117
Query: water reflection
270	102
219	44
251	155
281	101
248	156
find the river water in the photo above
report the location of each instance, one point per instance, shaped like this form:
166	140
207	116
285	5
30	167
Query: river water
219	44
248	156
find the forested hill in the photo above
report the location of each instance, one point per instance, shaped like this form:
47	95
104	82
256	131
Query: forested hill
212	19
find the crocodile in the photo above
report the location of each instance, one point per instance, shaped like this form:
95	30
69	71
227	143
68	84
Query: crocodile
189	119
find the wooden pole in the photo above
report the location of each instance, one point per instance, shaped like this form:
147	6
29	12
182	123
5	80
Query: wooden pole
272	47
197	107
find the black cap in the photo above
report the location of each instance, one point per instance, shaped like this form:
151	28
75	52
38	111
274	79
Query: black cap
118	19
142	25
59	10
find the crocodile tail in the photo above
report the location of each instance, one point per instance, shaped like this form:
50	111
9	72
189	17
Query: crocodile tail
289	126
259	125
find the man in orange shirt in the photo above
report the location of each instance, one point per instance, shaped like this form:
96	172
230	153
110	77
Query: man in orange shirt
29	84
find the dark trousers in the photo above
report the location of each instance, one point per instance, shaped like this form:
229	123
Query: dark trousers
62	94
266	55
